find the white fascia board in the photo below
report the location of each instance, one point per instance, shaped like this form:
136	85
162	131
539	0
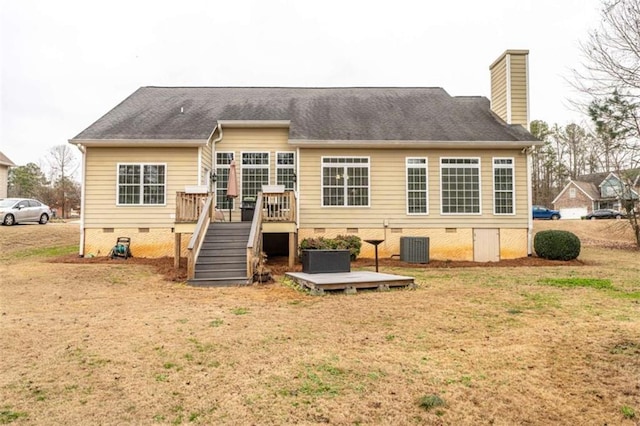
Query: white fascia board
255	123
395	144
130	143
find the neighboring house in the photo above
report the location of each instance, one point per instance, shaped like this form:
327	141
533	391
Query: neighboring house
5	163
595	191
379	163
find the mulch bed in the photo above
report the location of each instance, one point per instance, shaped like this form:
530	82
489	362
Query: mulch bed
279	265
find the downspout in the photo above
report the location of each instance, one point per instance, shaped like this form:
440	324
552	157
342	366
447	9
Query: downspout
297	189
219	138
529	151
214	187
83	197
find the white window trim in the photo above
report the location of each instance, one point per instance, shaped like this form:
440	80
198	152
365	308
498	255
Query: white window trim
141	184
511	166
253	166
479	165
217	166
406	186
572	193
286	166
345	206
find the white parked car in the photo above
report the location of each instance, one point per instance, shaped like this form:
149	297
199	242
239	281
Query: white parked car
16	210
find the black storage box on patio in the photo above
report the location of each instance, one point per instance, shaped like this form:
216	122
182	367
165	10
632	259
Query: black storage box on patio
247	208
326	261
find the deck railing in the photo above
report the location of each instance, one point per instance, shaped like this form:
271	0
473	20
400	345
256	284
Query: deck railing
254	245
189	206
279	206
193	249
270	207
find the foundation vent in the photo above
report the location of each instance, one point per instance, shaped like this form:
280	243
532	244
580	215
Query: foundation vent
414	249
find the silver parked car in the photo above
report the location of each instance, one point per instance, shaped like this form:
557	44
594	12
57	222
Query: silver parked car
16	210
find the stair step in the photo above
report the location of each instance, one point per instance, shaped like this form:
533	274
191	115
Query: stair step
215	233
230	228
221	264
221	273
222	260
223	282
224	244
218	260
223	252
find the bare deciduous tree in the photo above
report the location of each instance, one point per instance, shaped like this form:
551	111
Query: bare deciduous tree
63	165
610	78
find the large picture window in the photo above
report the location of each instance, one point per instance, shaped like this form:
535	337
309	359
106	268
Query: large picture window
141	184
223	160
345	181
417	194
503	199
460	185
255	172
286	169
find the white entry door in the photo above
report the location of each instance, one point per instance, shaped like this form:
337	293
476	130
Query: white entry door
486	245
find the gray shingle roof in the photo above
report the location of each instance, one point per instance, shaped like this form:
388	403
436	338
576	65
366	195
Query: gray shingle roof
375	114
588	188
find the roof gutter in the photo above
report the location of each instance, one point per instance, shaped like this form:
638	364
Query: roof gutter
256	123
396	144
129	143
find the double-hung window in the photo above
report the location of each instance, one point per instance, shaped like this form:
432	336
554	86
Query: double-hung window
223	160
141	184
503	188
255	172
417	193
345	181
286	169
460	185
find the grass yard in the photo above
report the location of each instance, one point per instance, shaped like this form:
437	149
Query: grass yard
115	343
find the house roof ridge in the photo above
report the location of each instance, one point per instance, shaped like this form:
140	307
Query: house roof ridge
307	87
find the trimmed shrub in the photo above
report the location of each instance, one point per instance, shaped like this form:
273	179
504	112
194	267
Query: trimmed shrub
556	245
341	242
349	242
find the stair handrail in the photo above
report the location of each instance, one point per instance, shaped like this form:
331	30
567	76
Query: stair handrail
254	245
195	243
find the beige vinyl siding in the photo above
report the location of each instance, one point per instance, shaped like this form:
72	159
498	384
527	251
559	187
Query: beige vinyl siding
4	176
205	156
388	192
101	185
499	88
519	89
239	140
509	91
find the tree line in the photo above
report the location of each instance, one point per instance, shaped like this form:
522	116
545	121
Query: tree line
574	150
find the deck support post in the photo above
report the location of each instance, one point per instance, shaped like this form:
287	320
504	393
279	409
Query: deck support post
292	248
177	250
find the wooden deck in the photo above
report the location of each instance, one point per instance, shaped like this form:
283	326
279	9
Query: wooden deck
350	282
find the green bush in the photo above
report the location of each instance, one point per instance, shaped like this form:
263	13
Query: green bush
341	242
556	245
349	242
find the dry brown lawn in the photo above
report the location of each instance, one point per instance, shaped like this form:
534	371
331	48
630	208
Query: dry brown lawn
117	343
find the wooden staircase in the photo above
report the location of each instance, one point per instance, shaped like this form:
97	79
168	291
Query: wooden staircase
223	256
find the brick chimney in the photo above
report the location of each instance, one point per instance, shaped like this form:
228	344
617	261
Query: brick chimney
510	87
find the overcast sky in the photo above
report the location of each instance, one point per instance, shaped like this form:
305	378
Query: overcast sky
66	63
